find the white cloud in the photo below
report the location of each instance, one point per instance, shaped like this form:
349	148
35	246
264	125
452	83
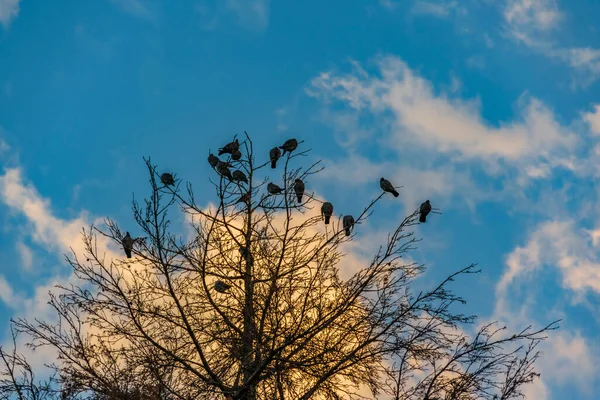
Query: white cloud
568	358
26	255
136	8
421	118
48	230
593	119
533	14
476	62
439	10
4	147
557	244
251	13
9	9
532	22
6	293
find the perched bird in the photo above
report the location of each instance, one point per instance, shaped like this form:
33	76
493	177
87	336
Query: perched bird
273	188
245	198
348	222
299	189
424	211
230	147
243	251
223	169
274	155
388	187
327	211
236	155
127	243
213	160
221	286
167	179
239	176
289	145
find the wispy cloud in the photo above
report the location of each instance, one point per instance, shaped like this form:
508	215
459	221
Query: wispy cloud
250	14
440	9
535	24
137	8
419	118
569	357
9	9
540	15
593	119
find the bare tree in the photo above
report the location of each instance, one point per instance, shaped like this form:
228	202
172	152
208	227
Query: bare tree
251	306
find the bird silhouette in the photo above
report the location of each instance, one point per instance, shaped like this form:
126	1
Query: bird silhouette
213	160
424	210
239	176
274	155
289	146
348	222
236	155
327	211
167	179
221	286
230	147
127	243
273	188
223	169
388	187
245	198
299	189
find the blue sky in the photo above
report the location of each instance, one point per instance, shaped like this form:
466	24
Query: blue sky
487	108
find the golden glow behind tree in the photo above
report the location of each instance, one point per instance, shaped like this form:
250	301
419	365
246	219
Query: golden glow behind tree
252	306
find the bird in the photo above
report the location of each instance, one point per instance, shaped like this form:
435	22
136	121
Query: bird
244	199
289	146
388	187
274	155
348	222
223	169
299	189
221	286
127	243
213	160
230	147
236	155
167	179
327	211
273	188
424	210
239	176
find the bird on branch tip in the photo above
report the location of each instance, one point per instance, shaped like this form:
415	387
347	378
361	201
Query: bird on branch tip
167	179
221	286
388	187
236	155
327	211
348	222
273	188
289	146
274	155
245	198
230	147
127	243
424	210
213	160
239	176
299	189
223	169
